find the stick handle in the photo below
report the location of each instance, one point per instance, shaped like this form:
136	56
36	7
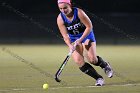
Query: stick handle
71	51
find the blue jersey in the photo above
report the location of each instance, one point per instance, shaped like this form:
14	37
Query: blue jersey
76	28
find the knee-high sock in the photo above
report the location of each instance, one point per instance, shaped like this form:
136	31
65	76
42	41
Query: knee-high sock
101	62
89	70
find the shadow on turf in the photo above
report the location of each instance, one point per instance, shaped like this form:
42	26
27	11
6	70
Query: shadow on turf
21	59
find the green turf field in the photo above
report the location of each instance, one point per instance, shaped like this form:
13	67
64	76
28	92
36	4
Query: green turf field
25	68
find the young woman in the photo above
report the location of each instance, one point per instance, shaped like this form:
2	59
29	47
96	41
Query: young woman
76	27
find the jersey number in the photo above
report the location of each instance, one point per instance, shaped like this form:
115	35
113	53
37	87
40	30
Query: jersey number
75	32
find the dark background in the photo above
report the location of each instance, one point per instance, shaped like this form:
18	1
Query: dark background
34	21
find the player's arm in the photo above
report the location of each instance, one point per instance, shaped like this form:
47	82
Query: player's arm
86	21
63	30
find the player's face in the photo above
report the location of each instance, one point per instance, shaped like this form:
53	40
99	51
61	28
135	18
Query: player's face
65	8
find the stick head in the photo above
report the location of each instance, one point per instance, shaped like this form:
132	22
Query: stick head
58	80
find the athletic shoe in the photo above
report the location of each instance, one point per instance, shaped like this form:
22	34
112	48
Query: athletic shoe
99	82
108	70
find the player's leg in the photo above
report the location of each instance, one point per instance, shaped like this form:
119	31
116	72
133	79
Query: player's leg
85	67
77	56
96	60
107	68
92	58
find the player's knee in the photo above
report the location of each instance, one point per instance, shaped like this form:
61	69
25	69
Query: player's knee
93	60
79	62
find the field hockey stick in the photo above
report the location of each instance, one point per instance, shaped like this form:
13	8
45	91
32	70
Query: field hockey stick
64	64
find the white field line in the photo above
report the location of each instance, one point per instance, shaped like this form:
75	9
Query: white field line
67	87
72	87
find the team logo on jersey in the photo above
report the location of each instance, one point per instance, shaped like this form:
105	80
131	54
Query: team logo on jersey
75	28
